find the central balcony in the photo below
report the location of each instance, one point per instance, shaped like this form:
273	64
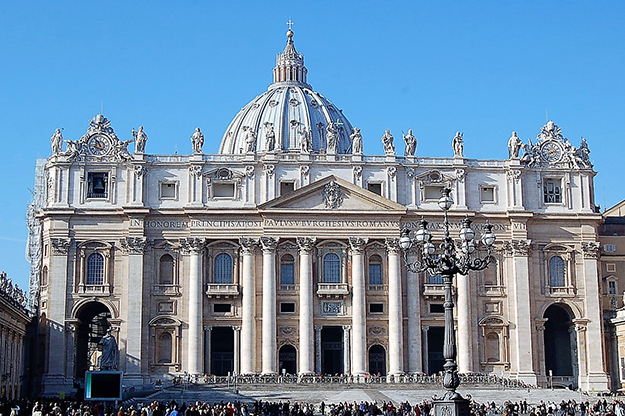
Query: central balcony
332	290
222	290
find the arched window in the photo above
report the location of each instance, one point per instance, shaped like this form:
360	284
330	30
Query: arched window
44	276
166	270
492	348
375	270
287	270
556	272
223	269
95	269
331	268
165	348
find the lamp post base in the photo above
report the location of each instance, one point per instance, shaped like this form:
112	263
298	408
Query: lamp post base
454	406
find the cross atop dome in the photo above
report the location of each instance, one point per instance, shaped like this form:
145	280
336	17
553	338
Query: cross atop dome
290	23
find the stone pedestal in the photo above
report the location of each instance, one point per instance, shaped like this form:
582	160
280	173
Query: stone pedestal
454	407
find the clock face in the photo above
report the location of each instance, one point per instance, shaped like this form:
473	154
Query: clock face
99	145
551	152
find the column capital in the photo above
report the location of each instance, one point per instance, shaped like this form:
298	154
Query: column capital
247	244
306	243
590	249
269	244
357	244
520	248
208	328
192	245
347	327
236	328
392	245
425	328
60	245
135	245
318	328
540	324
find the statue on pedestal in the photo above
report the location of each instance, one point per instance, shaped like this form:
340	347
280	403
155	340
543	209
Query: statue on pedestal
411	143
57	142
140	139
356	141
110	353
387	141
197	141
458	144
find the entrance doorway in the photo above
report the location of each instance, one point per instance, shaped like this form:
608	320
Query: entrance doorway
436	339
560	344
222	350
377	360
93	322
332	350
288	359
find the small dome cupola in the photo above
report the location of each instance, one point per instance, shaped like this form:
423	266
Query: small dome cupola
290	63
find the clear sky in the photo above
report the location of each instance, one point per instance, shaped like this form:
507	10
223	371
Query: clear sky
484	67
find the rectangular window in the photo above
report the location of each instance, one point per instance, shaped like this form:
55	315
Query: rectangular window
612	287
437	308
97	184
376	308
435	280
223	190
609	248
286	187
375	274
287	274
287	308
376	188
487	194
610	267
168	190
552	191
433	192
222	308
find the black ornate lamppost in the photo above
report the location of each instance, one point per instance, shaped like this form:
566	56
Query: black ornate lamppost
447	262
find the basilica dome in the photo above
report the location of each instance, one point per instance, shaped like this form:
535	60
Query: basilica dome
290	116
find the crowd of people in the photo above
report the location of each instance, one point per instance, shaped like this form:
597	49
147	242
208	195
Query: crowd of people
45	407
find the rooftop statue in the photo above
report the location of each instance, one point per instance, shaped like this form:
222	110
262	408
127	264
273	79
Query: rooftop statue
356	141
458	144
387	141
411	143
57	142
140	139
197	141
514	146
250	139
331	137
270	137
305	143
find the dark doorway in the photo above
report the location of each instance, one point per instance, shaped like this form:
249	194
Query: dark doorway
93	322
560	342
377	360
288	359
436	339
222	351
332	350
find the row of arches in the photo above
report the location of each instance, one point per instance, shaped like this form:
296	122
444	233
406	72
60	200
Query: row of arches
94	319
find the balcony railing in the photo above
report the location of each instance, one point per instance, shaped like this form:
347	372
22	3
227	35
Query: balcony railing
222	290
332	290
94	290
169	290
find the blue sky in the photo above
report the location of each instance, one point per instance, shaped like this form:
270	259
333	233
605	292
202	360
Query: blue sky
485	68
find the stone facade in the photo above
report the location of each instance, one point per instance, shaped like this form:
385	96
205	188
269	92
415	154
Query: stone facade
280	254
14	319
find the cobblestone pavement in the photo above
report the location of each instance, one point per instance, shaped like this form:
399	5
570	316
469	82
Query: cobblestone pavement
339	393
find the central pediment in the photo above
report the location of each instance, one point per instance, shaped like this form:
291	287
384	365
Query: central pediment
333	194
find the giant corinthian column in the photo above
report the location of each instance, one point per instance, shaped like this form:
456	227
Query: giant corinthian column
248	305
269	304
306	339
395	314
195	247
359	313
